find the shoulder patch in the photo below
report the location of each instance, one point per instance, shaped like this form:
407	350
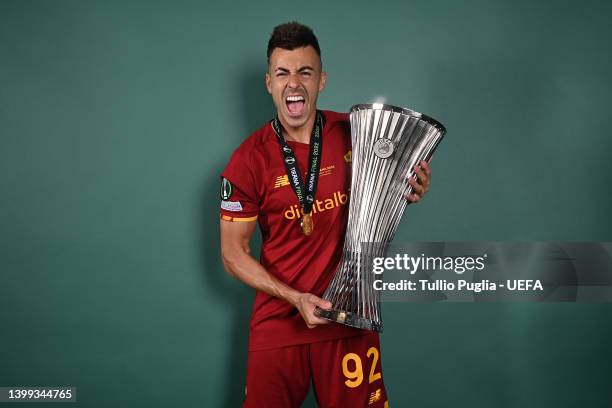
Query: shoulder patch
226	189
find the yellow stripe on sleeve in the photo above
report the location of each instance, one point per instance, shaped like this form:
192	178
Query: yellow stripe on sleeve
238	219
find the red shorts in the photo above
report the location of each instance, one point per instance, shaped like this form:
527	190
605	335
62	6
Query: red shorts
345	373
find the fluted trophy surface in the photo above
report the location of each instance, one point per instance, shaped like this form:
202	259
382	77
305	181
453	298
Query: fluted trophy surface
387	142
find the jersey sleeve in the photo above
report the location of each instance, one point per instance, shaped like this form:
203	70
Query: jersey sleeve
239	199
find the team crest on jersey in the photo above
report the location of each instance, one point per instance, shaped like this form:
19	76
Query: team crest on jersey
348	157
226	189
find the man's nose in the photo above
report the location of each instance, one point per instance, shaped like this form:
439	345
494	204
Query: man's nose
293	81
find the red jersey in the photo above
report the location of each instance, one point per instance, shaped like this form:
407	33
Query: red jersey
259	189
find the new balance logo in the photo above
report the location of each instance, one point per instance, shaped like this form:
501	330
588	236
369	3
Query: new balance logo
375	396
281	181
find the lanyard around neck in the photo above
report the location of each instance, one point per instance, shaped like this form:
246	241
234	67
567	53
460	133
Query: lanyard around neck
304	192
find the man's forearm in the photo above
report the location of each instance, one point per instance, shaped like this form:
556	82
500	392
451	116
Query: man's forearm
248	270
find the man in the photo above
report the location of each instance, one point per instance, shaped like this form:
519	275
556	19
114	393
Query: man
292	176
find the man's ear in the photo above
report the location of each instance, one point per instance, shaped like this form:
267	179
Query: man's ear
268	84
322	81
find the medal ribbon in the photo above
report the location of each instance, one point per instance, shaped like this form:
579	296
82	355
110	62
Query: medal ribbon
304	192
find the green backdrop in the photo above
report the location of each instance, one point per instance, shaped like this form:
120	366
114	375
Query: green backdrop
117	117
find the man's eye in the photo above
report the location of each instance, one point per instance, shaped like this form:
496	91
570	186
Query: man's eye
307	73
281	74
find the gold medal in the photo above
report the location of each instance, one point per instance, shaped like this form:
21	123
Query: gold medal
307	224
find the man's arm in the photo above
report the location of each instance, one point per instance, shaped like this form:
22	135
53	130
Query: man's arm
235	253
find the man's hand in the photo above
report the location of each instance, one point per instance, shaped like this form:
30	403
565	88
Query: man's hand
235	237
420	186
306	303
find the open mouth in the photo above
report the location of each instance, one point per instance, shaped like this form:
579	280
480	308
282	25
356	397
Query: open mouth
295	104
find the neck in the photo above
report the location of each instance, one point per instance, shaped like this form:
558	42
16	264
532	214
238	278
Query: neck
299	134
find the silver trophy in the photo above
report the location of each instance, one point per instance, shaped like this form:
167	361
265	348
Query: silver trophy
387	143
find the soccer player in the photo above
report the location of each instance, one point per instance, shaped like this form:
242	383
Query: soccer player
292	177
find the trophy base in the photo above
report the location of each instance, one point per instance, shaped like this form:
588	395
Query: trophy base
349	319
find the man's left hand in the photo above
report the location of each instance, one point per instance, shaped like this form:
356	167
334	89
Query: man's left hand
420	185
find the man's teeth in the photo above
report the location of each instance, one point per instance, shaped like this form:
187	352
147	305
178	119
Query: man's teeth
295	98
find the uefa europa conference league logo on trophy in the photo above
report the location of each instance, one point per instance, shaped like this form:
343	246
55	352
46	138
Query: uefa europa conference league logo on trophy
387	143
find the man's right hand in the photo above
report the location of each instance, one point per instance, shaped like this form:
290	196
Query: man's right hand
306	303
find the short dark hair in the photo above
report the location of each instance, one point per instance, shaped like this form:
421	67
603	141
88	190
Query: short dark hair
292	35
